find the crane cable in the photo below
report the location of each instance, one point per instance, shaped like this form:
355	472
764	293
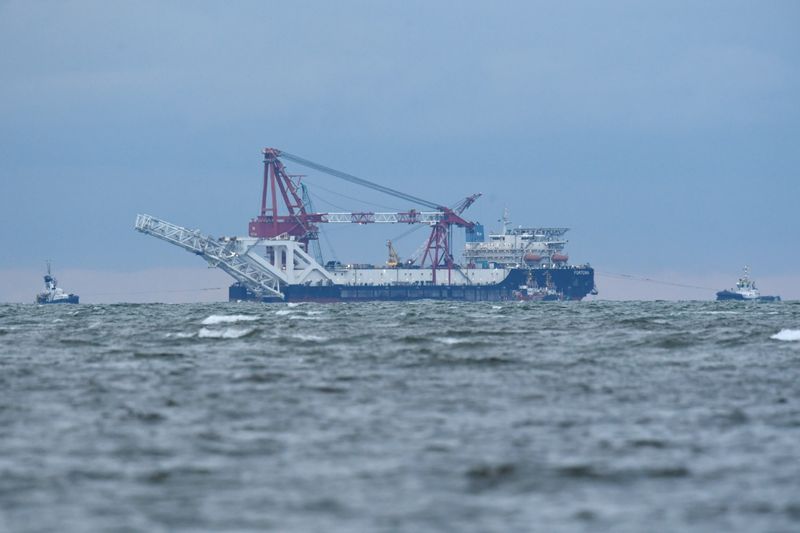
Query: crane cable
317	186
359	181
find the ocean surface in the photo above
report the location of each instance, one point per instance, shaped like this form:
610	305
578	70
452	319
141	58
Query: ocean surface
425	416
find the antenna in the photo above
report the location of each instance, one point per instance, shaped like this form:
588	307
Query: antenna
504	220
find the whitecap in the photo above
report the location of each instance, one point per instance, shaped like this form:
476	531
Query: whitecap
284	312
787	335
304	337
450	340
497	307
293	304
227	319
301	317
227	333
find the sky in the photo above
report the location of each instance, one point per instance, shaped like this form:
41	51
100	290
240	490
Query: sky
665	135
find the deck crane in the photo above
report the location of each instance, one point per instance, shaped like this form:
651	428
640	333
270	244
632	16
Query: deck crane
295	222
394	259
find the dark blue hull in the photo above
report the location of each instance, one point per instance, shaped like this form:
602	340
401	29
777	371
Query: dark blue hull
723	296
574	283
71	299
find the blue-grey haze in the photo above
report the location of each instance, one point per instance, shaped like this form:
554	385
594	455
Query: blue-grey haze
666	135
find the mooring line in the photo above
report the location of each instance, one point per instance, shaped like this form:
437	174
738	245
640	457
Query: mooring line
651	280
153	292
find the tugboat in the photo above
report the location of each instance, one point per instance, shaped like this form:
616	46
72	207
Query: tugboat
531	292
745	291
53	294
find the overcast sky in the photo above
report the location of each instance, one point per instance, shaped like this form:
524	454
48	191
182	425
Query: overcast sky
666	136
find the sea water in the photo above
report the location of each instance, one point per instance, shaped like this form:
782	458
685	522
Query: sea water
423	416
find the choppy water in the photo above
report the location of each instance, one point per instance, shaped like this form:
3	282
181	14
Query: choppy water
400	417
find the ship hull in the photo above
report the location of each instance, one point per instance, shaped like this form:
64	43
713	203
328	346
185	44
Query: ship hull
574	283
723	296
71	299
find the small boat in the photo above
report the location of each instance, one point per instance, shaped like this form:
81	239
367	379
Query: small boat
53	294
531	292
745	290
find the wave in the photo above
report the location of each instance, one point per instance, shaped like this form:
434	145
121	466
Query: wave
227	333
227	319
180	335
787	335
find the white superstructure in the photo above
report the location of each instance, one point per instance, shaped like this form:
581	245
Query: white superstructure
262	265
747	287
519	247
